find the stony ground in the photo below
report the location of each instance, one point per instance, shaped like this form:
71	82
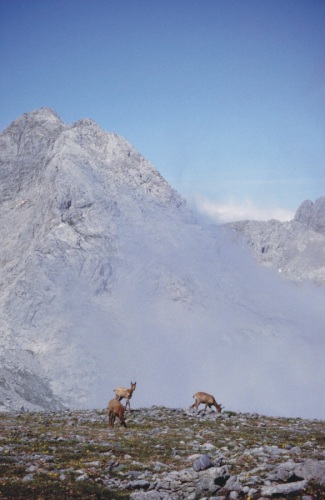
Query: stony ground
163	453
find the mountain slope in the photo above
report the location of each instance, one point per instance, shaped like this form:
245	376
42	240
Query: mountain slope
106	277
296	248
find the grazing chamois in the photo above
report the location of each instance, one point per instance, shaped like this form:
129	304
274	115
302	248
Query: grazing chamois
121	393
207	399
115	409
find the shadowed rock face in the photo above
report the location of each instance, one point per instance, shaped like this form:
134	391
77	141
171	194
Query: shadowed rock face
18	376
106	277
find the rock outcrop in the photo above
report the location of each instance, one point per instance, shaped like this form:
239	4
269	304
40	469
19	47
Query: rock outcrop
295	248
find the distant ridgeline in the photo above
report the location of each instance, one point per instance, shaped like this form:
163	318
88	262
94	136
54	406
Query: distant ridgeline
295	248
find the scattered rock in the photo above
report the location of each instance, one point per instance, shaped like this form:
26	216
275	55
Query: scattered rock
241	462
202	463
284	489
311	469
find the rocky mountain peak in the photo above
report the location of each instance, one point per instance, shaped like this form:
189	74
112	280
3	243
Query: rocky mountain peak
312	214
84	122
42	117
295	248
33	143
24	150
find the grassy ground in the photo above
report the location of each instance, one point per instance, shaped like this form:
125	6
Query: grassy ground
75	455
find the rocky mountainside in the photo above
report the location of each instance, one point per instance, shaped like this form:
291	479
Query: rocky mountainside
295	248
164	453
106	277
61	210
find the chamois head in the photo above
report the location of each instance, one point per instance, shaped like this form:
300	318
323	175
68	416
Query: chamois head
219	407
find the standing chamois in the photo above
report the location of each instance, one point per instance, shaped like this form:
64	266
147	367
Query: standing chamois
121	393
207	399
115	409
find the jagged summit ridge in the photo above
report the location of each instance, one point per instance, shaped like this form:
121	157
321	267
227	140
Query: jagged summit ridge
105	275
312	214
295	248
42	135
24	147
42	115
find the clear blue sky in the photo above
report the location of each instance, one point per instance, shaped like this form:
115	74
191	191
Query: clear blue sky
226	98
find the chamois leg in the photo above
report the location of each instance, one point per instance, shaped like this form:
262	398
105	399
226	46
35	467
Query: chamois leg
122	422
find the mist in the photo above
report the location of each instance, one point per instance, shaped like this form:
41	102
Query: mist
209	319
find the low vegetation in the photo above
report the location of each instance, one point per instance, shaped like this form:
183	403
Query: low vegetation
73	454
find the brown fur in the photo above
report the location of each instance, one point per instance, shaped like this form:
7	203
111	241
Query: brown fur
207	399
121	393
115	409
